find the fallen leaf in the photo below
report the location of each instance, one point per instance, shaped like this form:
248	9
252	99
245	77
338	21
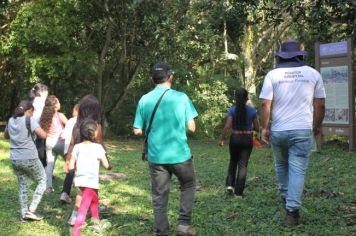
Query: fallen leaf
231	216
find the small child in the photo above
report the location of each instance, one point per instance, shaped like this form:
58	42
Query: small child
67	136
68	129
86	159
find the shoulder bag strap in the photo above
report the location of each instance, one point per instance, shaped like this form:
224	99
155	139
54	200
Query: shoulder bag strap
153	114
28	126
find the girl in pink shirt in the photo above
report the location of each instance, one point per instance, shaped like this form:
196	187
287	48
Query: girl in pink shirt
53	123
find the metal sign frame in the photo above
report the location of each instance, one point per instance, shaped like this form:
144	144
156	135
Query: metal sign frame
337	55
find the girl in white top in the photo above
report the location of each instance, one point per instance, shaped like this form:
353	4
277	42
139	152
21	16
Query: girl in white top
86	159
53	123
38	95
68	129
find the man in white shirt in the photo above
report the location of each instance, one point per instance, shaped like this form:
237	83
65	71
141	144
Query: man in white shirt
295	96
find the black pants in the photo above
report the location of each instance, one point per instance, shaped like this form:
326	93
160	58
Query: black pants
160	180
240	151
68	181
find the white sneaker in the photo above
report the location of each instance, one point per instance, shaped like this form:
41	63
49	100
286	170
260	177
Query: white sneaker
32	216
230	189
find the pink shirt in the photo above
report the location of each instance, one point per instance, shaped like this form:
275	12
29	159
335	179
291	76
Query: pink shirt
56	128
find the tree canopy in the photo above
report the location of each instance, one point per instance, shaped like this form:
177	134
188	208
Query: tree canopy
107	48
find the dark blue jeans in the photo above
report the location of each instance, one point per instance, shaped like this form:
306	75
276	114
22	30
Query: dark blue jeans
240	150
160	181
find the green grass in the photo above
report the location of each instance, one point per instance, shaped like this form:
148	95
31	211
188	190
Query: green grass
329	201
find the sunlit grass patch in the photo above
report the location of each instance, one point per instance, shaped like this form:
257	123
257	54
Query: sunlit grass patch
328	200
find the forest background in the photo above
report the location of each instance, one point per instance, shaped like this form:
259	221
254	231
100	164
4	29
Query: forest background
107	48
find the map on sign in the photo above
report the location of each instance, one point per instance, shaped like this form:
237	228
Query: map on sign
336	87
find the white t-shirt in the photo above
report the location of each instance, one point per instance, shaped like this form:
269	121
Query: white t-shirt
292	91
67	133
87	156
38	104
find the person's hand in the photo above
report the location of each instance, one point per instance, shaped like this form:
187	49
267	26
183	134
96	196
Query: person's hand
221	143
265	136
110	166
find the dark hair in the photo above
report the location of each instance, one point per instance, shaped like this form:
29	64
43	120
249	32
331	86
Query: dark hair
48	112
241	97
89	108
292	59
36	90
23	106
87	130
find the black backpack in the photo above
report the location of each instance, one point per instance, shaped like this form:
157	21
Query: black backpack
40	143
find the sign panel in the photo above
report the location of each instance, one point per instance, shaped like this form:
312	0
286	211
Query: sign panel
336	87
334	61
332	49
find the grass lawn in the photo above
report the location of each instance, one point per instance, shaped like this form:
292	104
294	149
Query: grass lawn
329	201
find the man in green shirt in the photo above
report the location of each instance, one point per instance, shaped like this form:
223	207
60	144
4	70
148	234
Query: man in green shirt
168	150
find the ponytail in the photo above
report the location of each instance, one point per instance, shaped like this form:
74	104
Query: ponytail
37	90
241	96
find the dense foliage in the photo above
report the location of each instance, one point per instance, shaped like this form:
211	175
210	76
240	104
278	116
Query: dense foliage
107	47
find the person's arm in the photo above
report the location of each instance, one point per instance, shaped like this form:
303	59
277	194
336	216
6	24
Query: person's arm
319	112
6	133
191	126
99	136
40	133
265	116
63	118
256	124
69	154
104	162
226	129
71	165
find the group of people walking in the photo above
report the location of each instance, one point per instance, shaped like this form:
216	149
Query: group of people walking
292	93
37	121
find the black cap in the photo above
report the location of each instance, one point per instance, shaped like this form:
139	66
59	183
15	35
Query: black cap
160	72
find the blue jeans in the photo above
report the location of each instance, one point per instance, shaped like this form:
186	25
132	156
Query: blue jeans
291	150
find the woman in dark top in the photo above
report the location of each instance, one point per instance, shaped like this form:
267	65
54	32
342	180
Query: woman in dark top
241	120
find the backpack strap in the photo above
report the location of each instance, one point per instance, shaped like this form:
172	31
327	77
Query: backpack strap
28	126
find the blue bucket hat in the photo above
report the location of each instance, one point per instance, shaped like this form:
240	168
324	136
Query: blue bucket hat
289	49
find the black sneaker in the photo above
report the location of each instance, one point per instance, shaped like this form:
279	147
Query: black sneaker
32	216
22	219
292	218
